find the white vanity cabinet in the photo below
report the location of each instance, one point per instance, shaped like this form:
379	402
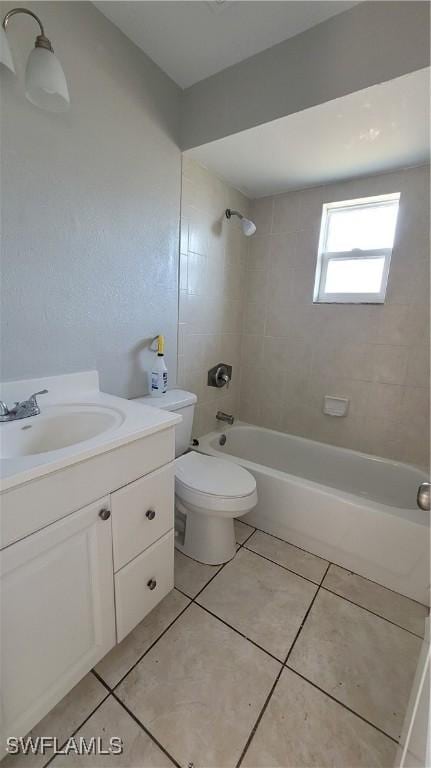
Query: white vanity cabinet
73	589
86	536
57	613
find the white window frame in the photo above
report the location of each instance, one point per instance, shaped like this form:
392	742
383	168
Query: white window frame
324	257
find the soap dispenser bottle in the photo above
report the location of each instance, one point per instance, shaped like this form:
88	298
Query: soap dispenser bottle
159	373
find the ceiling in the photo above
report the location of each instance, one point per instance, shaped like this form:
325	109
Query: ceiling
374	130
192	40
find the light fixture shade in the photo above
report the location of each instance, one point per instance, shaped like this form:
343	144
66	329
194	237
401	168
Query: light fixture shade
5	54
45	82
248	227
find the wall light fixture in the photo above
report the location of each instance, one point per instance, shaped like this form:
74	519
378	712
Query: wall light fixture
45	81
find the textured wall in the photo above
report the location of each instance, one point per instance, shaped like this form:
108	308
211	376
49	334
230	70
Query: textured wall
90	207
294	352
212	269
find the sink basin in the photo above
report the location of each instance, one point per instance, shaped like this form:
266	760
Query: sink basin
56	427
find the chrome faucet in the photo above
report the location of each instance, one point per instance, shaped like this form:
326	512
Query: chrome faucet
221	416
22	410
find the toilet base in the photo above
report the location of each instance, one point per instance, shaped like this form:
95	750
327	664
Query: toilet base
207	538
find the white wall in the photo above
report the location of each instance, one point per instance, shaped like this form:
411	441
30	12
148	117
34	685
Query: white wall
371	43
90	209
294	352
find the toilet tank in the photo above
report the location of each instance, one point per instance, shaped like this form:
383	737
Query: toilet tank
182	403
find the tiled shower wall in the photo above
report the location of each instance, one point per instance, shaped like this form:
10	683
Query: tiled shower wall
212	277
294	352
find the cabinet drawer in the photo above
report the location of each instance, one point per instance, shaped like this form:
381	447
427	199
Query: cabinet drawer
141	584
141	513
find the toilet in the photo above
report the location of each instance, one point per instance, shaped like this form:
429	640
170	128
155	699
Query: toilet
209	492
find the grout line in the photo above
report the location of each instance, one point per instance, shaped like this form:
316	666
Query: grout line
278	538
214	575
238	632
101	680
149	734
53	756
284	665
325	574
191	600
242	544
415	634
214	615
184	594
259	718
373	613
343	568
398	594
152	644
341	703
290	570
305	617
223	565
262	712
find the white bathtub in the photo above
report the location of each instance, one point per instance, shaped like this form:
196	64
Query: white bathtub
355	510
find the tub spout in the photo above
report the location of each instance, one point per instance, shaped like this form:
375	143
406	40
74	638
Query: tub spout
221	416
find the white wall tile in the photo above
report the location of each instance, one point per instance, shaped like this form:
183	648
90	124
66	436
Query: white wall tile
261	212
249	302
254	318
286	213
212	270
418	367
390	363
373	354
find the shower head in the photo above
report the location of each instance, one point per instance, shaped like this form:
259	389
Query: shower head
248	227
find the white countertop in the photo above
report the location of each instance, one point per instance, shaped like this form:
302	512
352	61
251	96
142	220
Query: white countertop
138	421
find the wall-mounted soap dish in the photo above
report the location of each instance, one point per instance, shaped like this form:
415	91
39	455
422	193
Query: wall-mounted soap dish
335	406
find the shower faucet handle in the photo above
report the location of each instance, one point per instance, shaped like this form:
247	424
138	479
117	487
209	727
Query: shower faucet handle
220	375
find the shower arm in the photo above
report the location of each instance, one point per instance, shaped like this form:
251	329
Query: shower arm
229	213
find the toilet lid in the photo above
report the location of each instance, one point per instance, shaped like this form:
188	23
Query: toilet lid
216	477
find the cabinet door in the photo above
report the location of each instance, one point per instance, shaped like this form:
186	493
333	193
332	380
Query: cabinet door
57	613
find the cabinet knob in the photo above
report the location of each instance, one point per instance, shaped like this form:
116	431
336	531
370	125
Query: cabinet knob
150	514
105	514
152	584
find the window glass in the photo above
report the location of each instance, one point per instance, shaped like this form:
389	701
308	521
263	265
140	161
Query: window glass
354	275
366	227
356	240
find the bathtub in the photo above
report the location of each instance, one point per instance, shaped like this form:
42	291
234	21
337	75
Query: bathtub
355	510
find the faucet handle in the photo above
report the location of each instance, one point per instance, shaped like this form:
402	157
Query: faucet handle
32	397
32	402
4	410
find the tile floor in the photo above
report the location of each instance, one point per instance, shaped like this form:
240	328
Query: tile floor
278	658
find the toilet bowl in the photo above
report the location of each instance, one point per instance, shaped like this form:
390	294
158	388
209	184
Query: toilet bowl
209	492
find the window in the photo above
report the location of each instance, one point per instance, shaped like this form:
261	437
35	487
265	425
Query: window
355	248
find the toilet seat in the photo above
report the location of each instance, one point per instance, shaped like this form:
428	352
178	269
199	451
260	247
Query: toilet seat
214	485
